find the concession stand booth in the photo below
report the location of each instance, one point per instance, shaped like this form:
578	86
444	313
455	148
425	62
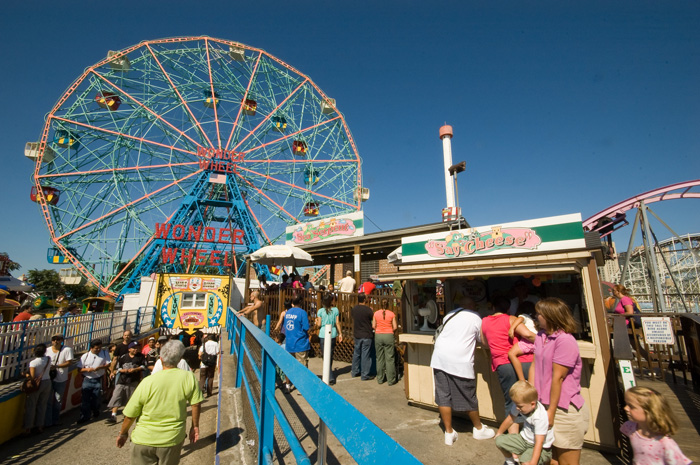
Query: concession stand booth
552	256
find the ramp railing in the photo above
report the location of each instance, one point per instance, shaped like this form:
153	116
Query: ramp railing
257	359
17	340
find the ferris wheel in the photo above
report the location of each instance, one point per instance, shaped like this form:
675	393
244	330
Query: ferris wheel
195	135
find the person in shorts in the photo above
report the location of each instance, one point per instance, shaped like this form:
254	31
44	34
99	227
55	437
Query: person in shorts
533	446
453	369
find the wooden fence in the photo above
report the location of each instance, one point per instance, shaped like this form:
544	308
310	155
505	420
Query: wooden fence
654	361
273	305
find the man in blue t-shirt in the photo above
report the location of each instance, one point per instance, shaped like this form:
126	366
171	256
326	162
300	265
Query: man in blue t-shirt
296	327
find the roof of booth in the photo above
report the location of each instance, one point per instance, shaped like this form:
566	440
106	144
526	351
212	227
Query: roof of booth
374	246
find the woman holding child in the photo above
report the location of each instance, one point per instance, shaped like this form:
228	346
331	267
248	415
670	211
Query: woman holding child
495	330
556	374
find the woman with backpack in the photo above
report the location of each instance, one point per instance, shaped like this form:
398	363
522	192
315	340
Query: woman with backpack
208	354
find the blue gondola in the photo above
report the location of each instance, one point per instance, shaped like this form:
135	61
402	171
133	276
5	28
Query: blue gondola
56	257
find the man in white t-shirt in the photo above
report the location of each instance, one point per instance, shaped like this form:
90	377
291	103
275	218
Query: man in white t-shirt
61	359
93	365
207	371
347	284
453	369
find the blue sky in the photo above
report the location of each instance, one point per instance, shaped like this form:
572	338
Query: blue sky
557	107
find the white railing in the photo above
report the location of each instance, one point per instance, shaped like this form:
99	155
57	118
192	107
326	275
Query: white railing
17	340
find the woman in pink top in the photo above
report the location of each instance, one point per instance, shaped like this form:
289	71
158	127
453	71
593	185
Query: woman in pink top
556	374
384	324
625	304
494	331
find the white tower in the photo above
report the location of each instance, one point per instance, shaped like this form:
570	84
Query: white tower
446	136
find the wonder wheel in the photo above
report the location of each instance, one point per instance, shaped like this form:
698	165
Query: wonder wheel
204	146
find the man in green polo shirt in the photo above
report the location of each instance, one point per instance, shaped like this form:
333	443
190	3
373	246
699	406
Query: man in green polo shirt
161	403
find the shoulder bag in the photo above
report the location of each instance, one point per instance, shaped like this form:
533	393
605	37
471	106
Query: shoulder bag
442	326
31	385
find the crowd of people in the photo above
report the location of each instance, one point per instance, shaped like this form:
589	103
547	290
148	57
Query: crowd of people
127	376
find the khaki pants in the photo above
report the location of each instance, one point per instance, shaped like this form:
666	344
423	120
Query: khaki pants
147	455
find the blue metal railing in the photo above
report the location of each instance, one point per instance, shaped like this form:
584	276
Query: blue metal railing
361	438
17	340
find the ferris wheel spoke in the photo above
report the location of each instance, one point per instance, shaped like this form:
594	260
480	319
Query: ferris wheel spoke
117	210
211	86
263	194
294	187
113	170
288	136
179	95
146	108
269	115
122	135
236	121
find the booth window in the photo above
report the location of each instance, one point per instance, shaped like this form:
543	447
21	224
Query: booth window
194	300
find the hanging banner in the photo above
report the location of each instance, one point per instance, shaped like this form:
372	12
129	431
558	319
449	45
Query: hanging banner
334	228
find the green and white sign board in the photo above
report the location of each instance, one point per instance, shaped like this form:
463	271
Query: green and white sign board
563	232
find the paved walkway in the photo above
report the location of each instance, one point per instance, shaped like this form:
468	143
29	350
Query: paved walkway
94	443
415	428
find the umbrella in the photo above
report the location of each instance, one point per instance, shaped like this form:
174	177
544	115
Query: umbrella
281	255
10	283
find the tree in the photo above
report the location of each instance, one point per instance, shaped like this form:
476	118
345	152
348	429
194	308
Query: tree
46	282
7	265
80	291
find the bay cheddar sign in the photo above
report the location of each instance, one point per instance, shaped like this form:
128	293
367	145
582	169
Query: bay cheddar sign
539	235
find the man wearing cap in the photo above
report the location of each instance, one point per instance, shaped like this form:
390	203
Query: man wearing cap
129	369
61	358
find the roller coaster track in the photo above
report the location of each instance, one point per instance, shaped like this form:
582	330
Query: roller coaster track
682	190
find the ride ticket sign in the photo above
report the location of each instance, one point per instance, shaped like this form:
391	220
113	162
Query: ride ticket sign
539	235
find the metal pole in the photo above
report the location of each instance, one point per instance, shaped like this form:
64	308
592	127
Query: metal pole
322	429
651	257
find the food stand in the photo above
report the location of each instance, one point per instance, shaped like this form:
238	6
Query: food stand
553	256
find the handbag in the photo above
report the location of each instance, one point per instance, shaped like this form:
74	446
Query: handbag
30	385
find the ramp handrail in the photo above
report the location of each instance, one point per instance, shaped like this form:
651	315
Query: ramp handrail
361	438
18	339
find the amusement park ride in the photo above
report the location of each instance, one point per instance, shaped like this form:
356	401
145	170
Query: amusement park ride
184	155
666	273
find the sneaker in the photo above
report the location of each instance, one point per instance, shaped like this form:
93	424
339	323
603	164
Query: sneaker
450	438
112	419
484	433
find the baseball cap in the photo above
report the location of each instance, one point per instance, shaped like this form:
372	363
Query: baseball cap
151	338
133	344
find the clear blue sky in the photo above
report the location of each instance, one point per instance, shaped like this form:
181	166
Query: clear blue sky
557	107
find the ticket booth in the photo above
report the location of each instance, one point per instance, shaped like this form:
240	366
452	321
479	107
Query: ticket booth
552	257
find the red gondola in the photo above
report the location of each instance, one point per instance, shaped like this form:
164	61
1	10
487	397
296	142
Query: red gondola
49	193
